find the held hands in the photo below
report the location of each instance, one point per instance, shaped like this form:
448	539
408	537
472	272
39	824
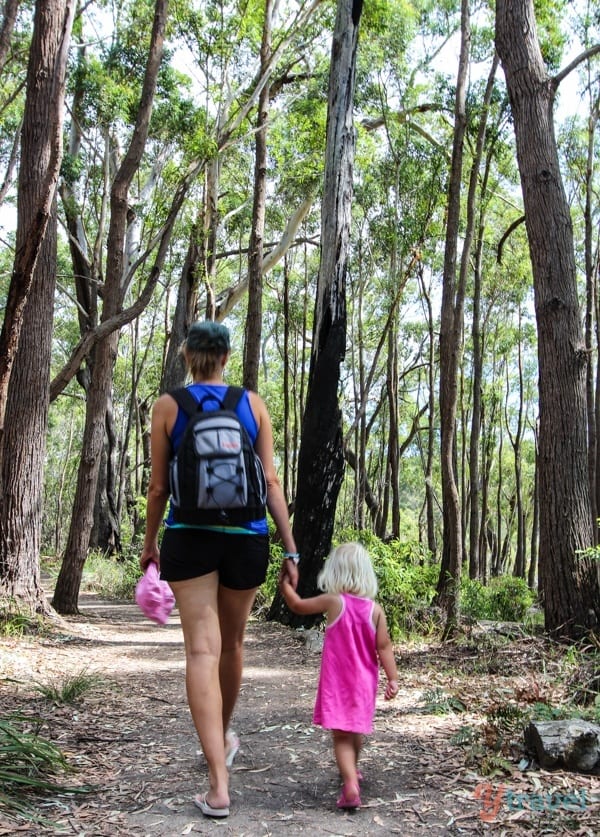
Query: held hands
285	584
288	574
391	689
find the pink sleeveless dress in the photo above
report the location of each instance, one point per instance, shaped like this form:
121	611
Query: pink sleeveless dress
348	681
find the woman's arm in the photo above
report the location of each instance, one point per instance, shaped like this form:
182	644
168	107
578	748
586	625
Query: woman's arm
385	652
164	413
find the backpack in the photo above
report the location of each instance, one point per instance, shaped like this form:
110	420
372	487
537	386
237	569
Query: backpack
215	476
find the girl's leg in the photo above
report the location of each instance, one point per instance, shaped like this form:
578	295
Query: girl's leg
359	740
344	747
234	610
197	601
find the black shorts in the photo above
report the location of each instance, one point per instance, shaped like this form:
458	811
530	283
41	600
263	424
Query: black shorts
241	560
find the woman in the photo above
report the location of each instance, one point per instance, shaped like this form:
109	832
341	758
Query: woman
214	571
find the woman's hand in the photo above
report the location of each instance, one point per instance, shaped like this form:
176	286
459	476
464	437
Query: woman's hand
150	555
289	573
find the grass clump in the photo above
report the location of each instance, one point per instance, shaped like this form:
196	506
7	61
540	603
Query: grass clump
16	623
69	688
30	766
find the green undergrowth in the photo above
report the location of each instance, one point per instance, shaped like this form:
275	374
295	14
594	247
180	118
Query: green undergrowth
407	586
407	581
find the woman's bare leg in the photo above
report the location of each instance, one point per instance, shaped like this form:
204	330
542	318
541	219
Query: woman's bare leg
197	601
234	610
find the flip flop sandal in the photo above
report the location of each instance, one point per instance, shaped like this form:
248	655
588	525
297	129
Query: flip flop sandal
233	747
208	810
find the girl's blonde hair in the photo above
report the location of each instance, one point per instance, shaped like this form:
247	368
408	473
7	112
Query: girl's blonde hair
348	569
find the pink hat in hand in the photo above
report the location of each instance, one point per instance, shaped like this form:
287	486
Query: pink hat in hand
154	596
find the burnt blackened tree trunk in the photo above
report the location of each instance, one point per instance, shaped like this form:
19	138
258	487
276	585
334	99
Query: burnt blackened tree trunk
321	456
570	584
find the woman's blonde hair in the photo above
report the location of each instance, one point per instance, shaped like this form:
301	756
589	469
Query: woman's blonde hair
348	569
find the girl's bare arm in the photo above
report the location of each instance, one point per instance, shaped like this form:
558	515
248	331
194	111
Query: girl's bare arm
385	652
325	603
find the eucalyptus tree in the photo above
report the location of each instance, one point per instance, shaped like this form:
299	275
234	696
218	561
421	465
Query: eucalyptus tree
482	175
222	46
102	110
66	592
570	579
400	170
451	325
515	416
11	47
48	54
9	17
321	457
253	333
197	154
28	314
578	148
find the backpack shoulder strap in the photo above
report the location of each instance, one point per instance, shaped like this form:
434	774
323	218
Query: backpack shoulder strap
185	400
232	398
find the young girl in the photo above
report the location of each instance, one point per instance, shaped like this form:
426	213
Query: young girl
356	641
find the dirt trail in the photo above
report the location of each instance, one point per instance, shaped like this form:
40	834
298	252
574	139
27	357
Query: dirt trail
132	738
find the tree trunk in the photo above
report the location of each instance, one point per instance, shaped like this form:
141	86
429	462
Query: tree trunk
106	531
571	580
450	348
253	334
430	443
186	311
30	315
42	139
27	419
477	340
9	18
66	593
321	457
393	463
532	573
516	439
591	268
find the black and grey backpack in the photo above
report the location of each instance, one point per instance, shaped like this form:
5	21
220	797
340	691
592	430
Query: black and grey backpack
215	476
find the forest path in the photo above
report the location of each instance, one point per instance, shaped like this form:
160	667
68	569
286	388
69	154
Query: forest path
131	737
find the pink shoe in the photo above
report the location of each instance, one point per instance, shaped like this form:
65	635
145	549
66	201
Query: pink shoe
348	800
